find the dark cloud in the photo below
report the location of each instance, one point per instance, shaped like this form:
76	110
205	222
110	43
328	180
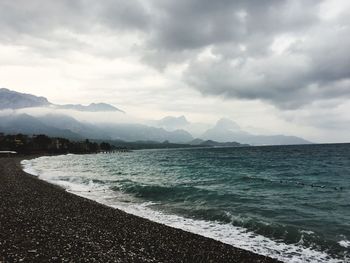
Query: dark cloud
280	51
316	69
241	36
197	23
123	15
40	18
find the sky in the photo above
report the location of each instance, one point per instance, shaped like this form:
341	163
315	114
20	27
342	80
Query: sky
272	66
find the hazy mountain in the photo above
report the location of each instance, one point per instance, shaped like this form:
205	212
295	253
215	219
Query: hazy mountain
65	126
171	122
226	130
85	130
227	124
136	132
196	141
212	143
93	107
125	132
14	100
172	129
26	124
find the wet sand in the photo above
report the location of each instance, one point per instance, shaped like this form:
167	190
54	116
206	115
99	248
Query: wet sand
40	222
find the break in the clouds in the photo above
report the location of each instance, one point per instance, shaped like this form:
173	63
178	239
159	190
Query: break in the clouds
286	53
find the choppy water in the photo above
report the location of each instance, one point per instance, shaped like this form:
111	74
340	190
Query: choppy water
288	202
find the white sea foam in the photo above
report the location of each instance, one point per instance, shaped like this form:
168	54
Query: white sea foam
28	167
236	236
344	243
226	233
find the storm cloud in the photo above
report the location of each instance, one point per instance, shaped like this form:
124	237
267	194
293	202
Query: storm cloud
290	54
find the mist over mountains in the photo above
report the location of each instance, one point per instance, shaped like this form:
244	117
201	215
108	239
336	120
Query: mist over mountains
225	130
171	122
170	128
15	100
92	107
26	124
70	128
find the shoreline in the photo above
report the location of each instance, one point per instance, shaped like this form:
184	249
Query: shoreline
40	221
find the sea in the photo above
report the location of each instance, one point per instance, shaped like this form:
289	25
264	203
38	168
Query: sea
291	203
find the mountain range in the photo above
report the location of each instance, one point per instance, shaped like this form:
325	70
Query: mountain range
172	129
10	99
227	130
26	124
55	125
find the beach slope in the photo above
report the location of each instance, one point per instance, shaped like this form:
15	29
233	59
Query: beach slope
40	222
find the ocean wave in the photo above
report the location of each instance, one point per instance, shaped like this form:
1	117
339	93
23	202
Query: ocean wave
344	243
27	167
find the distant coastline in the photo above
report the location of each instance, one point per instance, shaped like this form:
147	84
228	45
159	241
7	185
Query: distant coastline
41	144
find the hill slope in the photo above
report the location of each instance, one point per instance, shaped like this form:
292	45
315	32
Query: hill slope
27	124
226	130
15	100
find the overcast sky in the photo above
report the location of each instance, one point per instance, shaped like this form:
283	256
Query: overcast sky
273	66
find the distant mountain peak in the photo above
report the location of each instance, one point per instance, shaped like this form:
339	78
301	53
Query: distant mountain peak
181	118
227	130
92	107
171	122
228	124
10	99
15	100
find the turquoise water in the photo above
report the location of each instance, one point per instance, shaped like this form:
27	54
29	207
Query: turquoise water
289	202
